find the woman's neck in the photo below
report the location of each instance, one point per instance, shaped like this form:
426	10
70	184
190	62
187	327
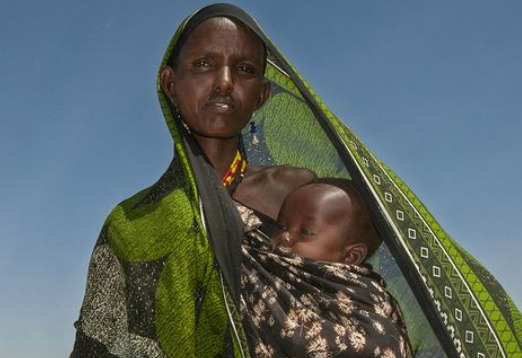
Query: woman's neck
220	152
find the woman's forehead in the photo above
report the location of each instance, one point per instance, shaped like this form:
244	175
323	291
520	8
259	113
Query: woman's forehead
220	30
216	24
199	32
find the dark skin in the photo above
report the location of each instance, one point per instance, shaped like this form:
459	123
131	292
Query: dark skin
321	222
217	85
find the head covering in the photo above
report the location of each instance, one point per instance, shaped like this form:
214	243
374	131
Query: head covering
163	280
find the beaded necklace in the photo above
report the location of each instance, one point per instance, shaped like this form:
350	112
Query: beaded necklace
235	173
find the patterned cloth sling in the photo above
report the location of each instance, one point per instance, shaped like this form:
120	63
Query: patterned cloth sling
297	307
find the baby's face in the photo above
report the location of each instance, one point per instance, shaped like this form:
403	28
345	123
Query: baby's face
316	222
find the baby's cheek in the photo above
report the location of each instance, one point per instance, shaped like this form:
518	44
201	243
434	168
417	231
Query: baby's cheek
309	251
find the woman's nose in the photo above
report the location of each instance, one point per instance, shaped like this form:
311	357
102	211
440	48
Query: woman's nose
224	82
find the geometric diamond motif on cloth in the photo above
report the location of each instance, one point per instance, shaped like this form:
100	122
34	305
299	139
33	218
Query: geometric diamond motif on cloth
469	337
448	292
436	271
377	179
451	331
458	345
400	215
458	314
388	197
424	252
444	317
412	234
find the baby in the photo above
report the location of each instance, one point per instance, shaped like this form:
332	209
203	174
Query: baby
306	292
327	220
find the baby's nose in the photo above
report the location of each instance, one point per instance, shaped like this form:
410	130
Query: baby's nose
285	239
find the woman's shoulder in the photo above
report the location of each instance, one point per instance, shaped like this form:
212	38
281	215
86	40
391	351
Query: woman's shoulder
150	214
168	194
150	203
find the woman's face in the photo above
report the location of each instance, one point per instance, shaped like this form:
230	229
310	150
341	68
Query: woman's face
218	81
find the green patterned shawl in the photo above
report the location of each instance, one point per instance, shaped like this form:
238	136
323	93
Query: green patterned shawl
163	275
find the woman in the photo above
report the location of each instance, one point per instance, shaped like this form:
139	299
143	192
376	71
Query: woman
164	274
153	288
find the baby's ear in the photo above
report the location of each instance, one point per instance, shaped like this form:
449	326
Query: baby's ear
355	253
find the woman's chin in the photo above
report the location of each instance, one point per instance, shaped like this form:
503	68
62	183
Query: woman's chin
216	134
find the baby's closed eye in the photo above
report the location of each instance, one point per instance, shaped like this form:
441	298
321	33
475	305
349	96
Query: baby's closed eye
306	231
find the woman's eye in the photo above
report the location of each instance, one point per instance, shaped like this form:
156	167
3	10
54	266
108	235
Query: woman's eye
246	69
201	63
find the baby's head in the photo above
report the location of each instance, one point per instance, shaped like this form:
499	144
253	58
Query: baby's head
327	220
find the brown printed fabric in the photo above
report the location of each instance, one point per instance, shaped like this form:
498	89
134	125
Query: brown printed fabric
297	307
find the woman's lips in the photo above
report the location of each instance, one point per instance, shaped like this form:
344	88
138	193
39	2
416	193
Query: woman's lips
221	105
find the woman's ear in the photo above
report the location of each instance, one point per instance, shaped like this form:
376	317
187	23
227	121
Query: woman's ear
355	254
167	83
265	92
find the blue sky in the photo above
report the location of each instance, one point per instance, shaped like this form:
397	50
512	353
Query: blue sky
434	88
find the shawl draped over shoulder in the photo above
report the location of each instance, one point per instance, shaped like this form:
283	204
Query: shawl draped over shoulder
164	277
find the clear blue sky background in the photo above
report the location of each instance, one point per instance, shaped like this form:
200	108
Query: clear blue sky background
433	87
